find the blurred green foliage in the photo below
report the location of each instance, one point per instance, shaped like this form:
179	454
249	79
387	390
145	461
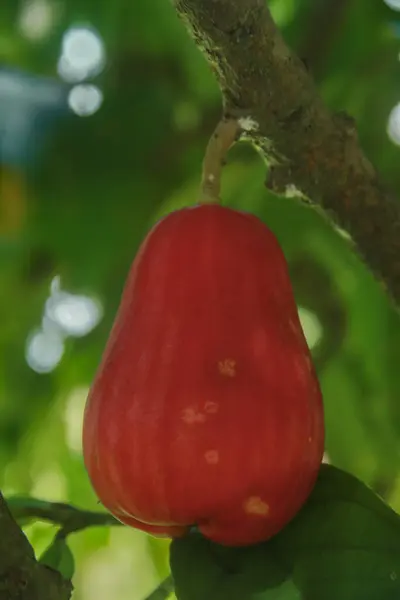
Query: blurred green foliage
82	206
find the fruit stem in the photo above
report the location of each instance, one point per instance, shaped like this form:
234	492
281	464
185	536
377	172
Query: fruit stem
226	133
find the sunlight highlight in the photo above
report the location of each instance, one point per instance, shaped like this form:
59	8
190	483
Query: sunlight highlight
73	418
37	19
75	315
393	126
394	4
85	99
50	485
44	350
83	54
65	315
125	564
311	326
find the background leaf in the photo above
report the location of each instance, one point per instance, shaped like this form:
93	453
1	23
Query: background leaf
59	557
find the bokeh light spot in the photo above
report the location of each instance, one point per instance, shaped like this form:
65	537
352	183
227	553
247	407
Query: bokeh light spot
37	18
83	53
75	315
73	418
44	350
393	126
394	4
311	326
85	99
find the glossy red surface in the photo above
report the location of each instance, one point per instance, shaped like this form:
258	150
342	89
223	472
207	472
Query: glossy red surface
206	408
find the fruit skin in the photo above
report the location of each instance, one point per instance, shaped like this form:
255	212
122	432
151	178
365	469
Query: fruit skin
206	409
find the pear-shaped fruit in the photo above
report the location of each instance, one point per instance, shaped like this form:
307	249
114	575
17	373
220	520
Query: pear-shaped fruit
206	409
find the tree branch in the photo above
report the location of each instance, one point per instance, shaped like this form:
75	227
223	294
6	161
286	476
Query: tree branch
309	150
69	518
21	576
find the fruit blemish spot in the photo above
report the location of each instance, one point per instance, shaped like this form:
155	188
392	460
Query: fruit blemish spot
255	506
227	367
211	408
212	457
192	416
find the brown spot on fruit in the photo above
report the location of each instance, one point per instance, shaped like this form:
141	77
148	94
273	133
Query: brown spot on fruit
256	506
212	457
192	416
227	367
211	408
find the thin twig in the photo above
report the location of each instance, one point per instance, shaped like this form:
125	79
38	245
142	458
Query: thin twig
69	517
225	134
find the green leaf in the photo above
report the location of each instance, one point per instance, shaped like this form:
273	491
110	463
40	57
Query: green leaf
163	591
203	569
343	545
59	557
67	563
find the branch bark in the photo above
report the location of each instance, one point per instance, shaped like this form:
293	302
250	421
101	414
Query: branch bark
310	151
21	576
